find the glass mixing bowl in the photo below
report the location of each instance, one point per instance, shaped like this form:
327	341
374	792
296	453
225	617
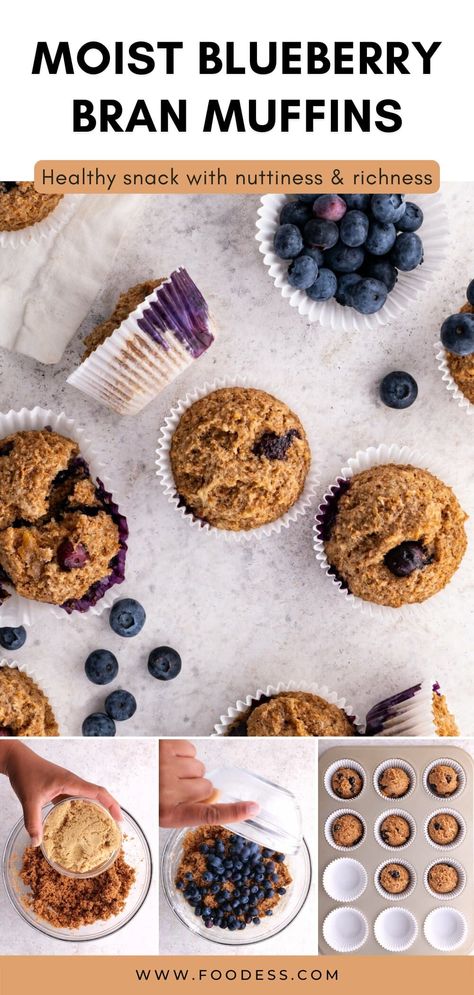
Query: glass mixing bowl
80	875
299	865
137	854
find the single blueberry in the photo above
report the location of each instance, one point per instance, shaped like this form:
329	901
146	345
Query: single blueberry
281	891
345	285
302	272
353	228
357	201
268	912
411	219
369	295
320	234
457	334
316	254
387	206
344	259
398	389
381	237
98	724
120	705
380	268
164	663
256	921
288	241
280	858
296	213
330	207
127	617
101	667
411	555
308	198
407	252
324	286
12	638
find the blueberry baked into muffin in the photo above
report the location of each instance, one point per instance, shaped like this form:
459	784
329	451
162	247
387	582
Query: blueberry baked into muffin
24	708
457	336
62	538
393	534
21	205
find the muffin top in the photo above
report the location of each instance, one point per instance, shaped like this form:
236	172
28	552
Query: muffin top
298	713
443	878
21	205
239	458
397	535
347	830
346	782
443	780
462	367
395	830
126	303
394	782
443	828
24	708
394	878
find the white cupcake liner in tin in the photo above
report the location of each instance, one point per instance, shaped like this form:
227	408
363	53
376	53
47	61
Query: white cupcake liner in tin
363	460
445	761
395	929
435	236
459	838
345	929
449	381
234	712
165	473
445	929
23	669
49	226
450	895
329	823
395	763
345	879
17	610
354	765
404	815
403	895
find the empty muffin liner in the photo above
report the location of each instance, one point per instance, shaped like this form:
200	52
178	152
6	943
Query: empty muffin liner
392	941
450	894
165	473
17	610
355	765
461	834
461	780
403	895
241	706
345	929
331	819
407	713
364	460
335	889
23	669
405	815
449	381
394	763
445	929
49	226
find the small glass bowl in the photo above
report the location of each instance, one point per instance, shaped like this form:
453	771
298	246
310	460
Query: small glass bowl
137	854
299	865
80	875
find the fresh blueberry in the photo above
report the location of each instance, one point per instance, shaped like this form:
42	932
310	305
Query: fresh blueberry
324	286
316	254
256	921
267	853
281	891
344	258
411	219
470	293
320	234
398	389
457	334
164	663
381	237
120	705
357	201
329	207
98	724
345	285
180	885
411	555
353	228
268	912
308	198
127	617
381	269
369	295
101	667
296	213
280	858
302	272
208	923
407	252
288	241
387	206
12	638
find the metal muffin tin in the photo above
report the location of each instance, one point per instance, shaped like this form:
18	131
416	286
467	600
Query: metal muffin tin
419	854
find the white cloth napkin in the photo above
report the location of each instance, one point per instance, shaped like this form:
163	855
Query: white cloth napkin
46	289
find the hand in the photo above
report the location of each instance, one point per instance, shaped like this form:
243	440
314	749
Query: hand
36	782
186	795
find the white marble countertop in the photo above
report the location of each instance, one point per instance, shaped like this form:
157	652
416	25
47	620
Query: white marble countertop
291	764
246	615
129	770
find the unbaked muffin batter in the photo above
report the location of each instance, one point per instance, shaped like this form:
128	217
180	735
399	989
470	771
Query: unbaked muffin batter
443	878
347	830
347	782
80	836
394	782
395	878
443	828
395	830
443	780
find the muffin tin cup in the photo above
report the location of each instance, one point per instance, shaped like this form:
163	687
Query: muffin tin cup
355	765
434	233
37	233
405	815
13	665
241	707
345	879
445	929
449	381
394	763
165	474
396	929
450	895
364	460
345	929
403	895
445	799
327	830
443	847
17	610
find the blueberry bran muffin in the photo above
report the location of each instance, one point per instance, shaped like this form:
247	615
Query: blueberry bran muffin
239	458
347	782
24	708
395	830
395	878
443	780
347	830
394	782
21	205
461	368
443	878
62	539
127	302
443	828
292	713
394	534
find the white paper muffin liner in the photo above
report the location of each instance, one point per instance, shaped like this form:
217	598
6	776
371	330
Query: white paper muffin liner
449	381
459	838
241	707
450	894
395	763
391	942
337	766
165	474
434	233
405	815
410	717
17	610
445	799
337	937
364	460
328	834
23	669
437	936
49	226
339	895
129	369
403	895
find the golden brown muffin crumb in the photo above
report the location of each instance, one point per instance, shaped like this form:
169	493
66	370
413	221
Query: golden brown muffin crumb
394	782
347	830
395	878
298	713
443	878
346	782
462	367
395	830
443	828
126	303
24	708
22	206
445	723
443	780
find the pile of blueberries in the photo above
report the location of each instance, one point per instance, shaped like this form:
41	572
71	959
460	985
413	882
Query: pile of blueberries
457	331
349	246
250	869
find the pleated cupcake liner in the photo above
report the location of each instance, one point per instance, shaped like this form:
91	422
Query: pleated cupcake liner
391	896
334	767
445	929
234	712
450	895
392	940
404	815
444	810
41	230
335	867
461	779
409	713
338	938
330	822
449	381
385	765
